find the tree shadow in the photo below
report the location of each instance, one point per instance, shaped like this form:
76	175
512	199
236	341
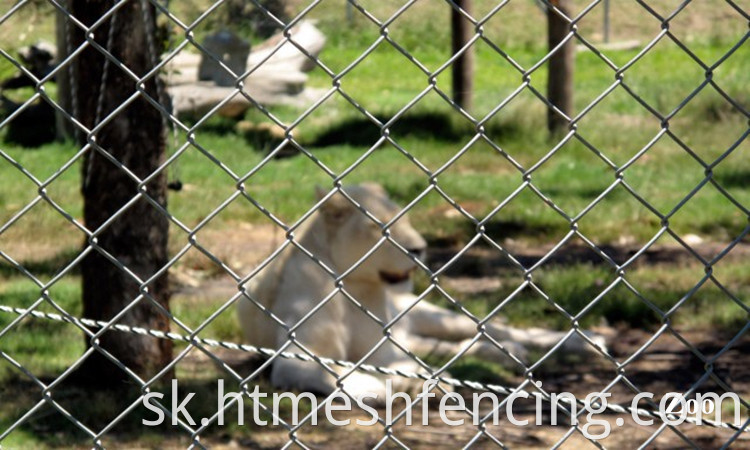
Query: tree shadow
495	229
96	407
362	131
43	267
733	178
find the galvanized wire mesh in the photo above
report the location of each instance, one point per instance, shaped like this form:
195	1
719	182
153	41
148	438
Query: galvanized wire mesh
183	38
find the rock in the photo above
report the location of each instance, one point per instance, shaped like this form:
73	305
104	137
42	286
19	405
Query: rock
228	48
611	46
34	123
41	54
201	97
264	130
183	69
33	126
39	59
692	239
288	56
277	74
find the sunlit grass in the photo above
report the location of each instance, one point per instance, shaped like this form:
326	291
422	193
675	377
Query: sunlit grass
424	138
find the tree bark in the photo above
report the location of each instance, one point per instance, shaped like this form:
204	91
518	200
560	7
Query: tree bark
463	67
561	67
135	137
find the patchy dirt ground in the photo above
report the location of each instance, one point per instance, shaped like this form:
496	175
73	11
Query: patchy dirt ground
666	366
242	246
660	363
656	363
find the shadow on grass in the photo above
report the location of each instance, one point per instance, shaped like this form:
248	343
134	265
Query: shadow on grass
216	124
45	267
363	132
718	109
97	408
575	275
733	178
495	229
432	125
725	228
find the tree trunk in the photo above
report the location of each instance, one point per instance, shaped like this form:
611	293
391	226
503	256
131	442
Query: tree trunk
463	67
561	65
135	137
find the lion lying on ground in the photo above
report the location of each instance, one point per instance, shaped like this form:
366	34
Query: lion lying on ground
347	320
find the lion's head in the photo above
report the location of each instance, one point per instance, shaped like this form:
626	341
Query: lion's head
351	234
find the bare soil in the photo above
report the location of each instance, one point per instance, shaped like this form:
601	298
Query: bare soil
666	366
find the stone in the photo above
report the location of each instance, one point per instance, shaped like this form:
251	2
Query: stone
277	73
228	48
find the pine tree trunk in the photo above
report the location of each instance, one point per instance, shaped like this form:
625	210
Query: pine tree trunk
138	237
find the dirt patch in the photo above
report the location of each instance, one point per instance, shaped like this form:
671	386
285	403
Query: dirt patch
666	365
241	247
655	361
482	260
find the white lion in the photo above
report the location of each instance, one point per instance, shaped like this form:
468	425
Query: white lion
352	319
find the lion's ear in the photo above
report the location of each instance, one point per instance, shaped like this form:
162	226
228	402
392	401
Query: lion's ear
320	192
336	209
375	188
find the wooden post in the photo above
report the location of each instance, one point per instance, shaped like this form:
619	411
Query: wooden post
64	128
561	67
138	237
463	67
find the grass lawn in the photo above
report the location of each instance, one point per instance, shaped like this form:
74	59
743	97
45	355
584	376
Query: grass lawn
508	178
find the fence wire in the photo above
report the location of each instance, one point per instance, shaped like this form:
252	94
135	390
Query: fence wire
183	38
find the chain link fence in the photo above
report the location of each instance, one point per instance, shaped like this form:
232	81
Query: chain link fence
188	109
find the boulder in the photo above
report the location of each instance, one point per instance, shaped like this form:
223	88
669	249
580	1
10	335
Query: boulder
277	68
266	59
227	48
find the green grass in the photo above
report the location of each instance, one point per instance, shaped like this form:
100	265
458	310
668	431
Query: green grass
385	82
336	135
29	340
652	292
